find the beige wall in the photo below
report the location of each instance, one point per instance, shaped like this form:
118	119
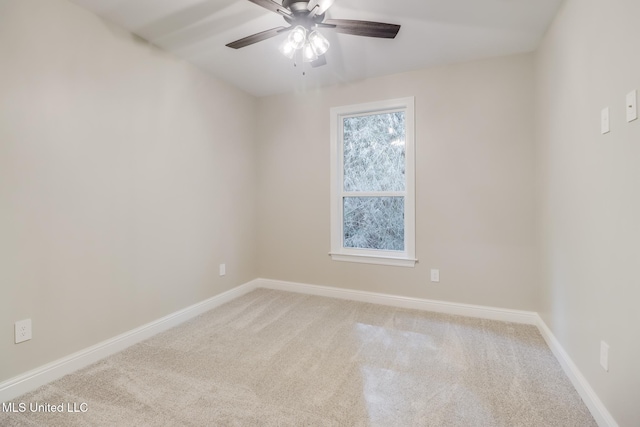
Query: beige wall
126	177
590	194
475	179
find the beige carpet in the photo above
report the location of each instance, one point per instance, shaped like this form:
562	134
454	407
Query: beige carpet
274	358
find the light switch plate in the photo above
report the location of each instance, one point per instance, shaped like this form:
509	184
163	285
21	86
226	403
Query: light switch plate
223	269
604	121
632	106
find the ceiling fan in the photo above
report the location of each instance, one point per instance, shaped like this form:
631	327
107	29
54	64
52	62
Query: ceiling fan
304	18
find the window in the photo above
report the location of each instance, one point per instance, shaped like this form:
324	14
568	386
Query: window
372	183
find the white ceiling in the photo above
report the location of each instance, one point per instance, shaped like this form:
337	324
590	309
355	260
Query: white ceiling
433	32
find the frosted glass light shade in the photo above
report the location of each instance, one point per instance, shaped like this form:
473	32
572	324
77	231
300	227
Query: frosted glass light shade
319	43
308	54
297	37
287	49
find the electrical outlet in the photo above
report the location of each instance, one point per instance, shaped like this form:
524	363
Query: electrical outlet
604	355
223	269
23	330
604	121
632	106
435	275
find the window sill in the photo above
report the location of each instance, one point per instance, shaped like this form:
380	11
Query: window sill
372	259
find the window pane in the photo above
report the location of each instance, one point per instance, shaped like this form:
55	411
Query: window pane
374	156
374	223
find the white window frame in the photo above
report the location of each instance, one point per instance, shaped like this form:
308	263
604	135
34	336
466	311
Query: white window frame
406	258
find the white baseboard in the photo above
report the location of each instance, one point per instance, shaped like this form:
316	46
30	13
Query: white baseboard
45	374
582	386
467	310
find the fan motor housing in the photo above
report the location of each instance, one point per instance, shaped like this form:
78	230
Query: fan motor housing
296	6
300	14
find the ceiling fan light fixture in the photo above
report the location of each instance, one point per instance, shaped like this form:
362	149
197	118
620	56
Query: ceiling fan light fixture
303	17
297	37
287	49
319	43
308	53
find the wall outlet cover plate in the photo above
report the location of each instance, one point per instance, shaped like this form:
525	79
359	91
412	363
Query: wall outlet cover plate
604	121
23	330
632	106
604	355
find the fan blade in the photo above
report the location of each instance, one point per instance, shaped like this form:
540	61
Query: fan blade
256	38
322	60
318	7
323	25
364	28
273	6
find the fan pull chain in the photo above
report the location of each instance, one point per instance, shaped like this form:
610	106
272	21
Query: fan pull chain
295	65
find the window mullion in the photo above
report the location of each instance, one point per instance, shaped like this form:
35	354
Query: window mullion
374	194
